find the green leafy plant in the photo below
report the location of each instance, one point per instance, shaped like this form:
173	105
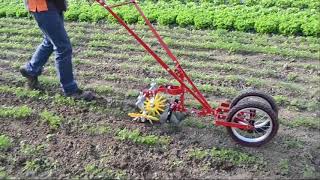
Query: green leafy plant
267	24
136	137
203	20
53	120
185	18
16	112
5	142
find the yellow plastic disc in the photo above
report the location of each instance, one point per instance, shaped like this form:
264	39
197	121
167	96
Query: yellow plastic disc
137	115
155	106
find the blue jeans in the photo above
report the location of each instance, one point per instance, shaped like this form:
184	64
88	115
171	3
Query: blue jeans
55	39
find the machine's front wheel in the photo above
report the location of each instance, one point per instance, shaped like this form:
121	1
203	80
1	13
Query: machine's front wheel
255	95
260	116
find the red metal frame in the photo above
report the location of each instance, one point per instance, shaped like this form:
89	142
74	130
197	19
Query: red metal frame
186	84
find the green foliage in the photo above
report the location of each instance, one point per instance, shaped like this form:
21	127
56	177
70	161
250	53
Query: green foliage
20	92
167	17
185	18
136	137
16	112
290	26
98	130
53	120
5	142
267	24
3	174
31	150
203	20
308	122
299	17
312	26
310	172
284	166
233	156
92	170
196	123
224	19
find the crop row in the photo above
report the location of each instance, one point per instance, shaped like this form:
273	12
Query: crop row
297	104
110	32
301	4
274	20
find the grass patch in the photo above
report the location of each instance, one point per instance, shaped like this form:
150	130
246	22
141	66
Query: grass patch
137	137
53	120
294	143
3	174
91	171
284	166
308	122
98	129
230	155
20	92
104	89
49	81
31	150
38	165
5	142
310	172
15	112
194	123
132	93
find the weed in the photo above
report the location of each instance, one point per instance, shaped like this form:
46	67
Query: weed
95	172
284	166
292	76
32	165
16	112
3	174
104	89
132	93
281	100
38	165
48	81
5	142
110	77
98	130
53	120
309	122
136	137
20	92
31	150
62	100
294	143
310	172
207	88
196	123
233	156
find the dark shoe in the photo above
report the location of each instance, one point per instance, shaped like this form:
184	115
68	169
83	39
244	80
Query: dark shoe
33	82
82	95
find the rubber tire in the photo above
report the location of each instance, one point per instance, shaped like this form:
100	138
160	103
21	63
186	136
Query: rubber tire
258	105
254	92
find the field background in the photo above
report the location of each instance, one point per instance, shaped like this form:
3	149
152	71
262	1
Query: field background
45	135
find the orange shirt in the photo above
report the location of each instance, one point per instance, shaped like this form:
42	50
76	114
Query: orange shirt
37	5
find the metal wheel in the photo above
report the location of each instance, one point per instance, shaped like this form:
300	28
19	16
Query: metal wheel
257	114
255	95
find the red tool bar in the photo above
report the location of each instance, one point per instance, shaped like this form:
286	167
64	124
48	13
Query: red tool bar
232	124
173	57
196	94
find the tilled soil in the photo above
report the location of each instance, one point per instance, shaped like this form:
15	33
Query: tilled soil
73	151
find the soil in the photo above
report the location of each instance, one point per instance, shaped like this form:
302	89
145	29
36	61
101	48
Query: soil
71	149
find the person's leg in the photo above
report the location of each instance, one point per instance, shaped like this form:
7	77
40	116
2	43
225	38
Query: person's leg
39	58
52	25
